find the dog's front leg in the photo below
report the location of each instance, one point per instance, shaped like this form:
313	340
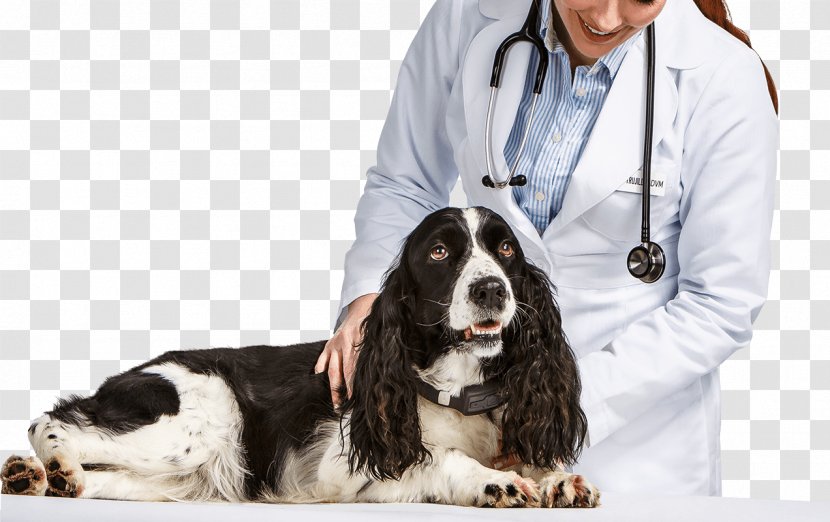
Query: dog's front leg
454	478
559	488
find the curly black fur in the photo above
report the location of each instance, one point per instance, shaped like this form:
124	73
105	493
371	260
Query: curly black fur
543	421
385	429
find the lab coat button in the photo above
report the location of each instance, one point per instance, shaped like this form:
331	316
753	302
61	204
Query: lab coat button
540	196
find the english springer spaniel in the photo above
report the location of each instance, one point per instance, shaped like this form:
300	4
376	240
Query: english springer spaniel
463	369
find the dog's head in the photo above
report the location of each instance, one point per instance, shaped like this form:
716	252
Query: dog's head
455	272
462	292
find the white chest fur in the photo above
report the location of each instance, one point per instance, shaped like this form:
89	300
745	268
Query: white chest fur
475	435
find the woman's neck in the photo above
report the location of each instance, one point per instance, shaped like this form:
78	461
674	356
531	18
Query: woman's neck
574	56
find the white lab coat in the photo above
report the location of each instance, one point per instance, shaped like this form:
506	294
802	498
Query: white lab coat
648	353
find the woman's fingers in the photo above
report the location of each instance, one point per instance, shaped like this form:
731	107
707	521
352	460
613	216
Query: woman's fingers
349	360
340	365
335	377
323	360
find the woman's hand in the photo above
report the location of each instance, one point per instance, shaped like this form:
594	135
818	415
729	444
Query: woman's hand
340	353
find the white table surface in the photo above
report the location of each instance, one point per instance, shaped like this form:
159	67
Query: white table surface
615	506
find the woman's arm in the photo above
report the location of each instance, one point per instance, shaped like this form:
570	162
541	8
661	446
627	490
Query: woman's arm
728	177
414	175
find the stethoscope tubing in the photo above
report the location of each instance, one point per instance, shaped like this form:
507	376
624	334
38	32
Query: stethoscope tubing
527	33
488	144
649	132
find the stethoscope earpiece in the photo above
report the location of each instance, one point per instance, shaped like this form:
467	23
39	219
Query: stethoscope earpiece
646	262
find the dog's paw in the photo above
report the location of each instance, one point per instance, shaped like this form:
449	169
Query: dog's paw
23	476
561	489
509	489
64	476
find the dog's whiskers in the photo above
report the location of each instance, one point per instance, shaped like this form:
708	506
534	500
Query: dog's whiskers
443	319
520	307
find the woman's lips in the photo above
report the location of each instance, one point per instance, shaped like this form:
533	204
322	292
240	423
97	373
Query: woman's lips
597	38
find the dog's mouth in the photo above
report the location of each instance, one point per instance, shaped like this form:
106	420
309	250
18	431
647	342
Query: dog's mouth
487	331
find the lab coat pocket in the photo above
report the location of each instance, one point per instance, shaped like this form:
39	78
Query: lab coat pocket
619	215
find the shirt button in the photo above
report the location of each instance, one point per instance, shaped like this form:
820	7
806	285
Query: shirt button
557	137
580	92
540	196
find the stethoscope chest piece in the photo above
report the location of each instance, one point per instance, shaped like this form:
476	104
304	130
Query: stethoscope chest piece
646	262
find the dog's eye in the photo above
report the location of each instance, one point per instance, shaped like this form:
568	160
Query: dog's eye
506	249
438	252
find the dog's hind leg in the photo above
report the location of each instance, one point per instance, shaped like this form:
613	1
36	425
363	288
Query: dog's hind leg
83	430
88	462
58	452
122	485
177	428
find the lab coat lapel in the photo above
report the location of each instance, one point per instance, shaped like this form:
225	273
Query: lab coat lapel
615	147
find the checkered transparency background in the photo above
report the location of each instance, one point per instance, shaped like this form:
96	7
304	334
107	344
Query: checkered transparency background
185	173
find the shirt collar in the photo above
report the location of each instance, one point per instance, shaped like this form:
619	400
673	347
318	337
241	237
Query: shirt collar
611	60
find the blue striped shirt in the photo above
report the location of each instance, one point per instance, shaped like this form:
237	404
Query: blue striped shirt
565	115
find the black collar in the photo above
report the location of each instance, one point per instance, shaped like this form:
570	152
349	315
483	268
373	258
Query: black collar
473	400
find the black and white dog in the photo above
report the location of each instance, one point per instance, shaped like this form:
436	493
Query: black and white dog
463	360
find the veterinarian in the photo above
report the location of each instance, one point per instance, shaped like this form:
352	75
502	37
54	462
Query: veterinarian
648	352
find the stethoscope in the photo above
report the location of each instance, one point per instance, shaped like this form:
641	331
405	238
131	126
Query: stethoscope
646	261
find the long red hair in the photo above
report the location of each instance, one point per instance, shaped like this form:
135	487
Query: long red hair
718	12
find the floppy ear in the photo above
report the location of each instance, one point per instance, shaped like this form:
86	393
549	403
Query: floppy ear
542	421
384	426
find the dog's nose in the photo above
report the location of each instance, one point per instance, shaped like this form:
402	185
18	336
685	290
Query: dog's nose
488	292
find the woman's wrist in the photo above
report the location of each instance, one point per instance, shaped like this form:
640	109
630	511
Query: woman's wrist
359	309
